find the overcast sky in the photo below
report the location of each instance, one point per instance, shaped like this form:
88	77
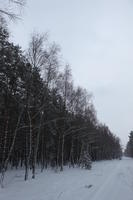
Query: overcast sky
96	37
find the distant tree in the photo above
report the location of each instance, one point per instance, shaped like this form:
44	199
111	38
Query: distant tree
129	147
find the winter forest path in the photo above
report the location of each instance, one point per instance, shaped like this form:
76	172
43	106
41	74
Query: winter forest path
108	180
118	183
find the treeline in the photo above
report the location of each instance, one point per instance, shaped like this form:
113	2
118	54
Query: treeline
129	147
45	120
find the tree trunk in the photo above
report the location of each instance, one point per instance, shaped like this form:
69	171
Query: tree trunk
62	153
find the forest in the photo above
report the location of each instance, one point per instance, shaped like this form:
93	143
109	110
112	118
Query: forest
45	120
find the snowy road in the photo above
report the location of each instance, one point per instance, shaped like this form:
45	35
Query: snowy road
108	180
118	184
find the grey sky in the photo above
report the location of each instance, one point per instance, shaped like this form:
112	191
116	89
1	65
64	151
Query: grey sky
96	37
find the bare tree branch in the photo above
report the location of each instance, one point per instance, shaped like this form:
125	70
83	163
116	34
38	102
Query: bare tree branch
11	15
9	11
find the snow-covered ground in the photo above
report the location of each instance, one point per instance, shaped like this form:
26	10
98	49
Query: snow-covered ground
108	180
